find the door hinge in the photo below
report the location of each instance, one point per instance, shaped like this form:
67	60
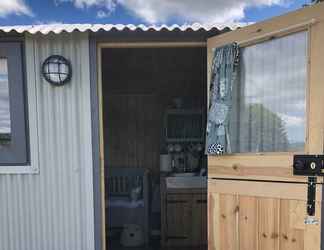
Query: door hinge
311	195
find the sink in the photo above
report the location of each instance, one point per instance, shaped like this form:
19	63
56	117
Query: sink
183	174
186	182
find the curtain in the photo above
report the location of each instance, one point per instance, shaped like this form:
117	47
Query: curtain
223	76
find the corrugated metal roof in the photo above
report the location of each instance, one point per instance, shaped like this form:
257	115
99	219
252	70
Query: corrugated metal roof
58	28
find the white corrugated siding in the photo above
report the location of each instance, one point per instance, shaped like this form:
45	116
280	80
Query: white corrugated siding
53	210
58	28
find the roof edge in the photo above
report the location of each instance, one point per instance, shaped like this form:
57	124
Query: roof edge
69	28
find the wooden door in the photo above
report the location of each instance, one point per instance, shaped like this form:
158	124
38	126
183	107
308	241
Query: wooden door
179	214
249	215
254	200
199	220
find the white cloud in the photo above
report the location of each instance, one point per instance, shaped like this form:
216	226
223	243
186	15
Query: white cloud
205	11
292	121
103	14
17	7
108	5
48	22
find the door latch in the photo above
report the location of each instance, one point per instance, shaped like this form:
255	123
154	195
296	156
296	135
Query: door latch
311	166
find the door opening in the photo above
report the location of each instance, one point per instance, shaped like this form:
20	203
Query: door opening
153	121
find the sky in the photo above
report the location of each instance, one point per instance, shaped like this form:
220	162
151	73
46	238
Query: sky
18	12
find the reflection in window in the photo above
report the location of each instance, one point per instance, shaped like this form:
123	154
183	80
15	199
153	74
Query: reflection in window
5	129
269	102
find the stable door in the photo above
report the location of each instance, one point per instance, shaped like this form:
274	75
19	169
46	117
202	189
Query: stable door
275	111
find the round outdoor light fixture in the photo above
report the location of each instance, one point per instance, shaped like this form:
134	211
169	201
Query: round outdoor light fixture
57	70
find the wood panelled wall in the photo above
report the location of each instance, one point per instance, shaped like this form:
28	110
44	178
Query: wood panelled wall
138	86
132	131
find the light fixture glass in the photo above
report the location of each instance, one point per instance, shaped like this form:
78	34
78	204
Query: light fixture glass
57	70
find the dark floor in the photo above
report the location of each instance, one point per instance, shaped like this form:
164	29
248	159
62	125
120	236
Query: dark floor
155	245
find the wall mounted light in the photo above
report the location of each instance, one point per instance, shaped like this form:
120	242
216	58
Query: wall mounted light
57	70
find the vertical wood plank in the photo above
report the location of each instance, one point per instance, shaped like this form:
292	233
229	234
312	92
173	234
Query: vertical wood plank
199	220
248	223
196	220
316	89
291	238
228	222
131	131
268	224
213	222
204	220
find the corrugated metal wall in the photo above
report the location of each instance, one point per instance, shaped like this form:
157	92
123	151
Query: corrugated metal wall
53	210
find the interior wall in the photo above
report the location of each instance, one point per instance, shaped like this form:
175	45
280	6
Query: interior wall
132	131
139	84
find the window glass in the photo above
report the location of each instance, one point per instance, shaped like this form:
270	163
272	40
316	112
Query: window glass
14	143
5	127
269	99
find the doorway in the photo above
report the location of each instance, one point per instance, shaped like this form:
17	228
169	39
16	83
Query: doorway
154	103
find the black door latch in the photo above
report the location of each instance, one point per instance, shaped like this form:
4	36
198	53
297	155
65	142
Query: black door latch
311	166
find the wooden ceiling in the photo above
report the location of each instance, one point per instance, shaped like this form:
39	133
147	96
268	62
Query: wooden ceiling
159	71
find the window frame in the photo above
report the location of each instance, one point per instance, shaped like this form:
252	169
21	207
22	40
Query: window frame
16	151
275	165
29	163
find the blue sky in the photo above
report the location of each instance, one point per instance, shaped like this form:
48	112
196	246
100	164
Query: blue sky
16	12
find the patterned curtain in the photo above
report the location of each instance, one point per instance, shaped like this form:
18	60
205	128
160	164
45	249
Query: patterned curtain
224	73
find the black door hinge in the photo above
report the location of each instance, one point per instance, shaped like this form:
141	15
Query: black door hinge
311	195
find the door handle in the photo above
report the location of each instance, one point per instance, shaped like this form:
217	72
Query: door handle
176	201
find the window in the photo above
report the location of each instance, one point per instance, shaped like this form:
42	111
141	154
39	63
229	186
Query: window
269	99
13	129
5	127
